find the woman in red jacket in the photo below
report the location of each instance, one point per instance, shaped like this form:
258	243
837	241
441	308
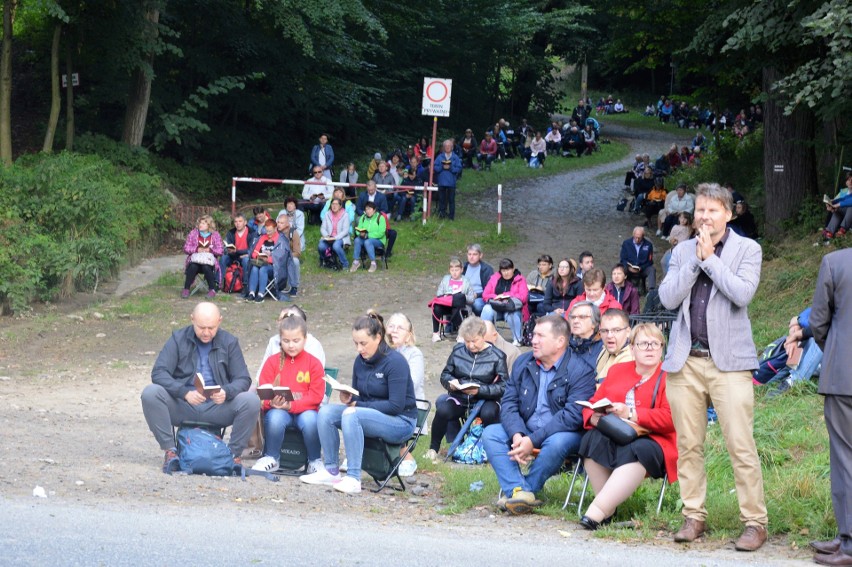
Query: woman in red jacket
261	263
616	471
506	297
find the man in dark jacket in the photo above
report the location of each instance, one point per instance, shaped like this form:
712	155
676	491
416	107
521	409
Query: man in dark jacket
477	273
173	398
637	255
372	194
539	412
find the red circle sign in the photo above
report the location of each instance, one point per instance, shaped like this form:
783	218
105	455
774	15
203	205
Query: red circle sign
435	87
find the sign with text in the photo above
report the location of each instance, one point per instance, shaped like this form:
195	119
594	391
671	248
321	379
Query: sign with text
436	96
75	80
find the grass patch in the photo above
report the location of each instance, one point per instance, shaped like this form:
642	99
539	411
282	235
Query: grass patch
789	432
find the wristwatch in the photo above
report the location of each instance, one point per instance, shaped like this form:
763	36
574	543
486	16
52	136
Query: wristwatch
630	414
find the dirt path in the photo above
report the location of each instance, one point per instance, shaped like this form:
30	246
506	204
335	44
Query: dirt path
70	379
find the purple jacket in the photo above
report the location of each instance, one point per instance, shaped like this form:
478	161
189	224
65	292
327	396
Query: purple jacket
216	247
629	297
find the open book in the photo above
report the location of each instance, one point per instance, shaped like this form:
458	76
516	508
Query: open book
268	391
230	246
456	385
633	266
827	200
340	387
202	388
599	406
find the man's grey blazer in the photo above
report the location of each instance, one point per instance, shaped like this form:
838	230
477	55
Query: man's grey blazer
735	275
831	322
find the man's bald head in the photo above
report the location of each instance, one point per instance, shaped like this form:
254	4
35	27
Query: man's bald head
206	319
491	333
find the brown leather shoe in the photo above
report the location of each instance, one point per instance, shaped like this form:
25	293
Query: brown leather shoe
827	547
691	530
752	539
836	558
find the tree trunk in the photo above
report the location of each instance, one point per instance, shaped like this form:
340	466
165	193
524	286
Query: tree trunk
140	87
55	98
789	160
69	93
584	79
6	84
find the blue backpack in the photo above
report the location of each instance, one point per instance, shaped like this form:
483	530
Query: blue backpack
773	363
471	451
201	452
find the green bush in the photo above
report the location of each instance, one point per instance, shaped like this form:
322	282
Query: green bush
68	222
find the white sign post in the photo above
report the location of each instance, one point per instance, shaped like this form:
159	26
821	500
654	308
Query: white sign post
436	102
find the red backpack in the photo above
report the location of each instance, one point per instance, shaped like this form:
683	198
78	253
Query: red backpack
234	278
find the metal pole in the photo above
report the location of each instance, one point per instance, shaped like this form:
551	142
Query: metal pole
432	163
233	196
499	209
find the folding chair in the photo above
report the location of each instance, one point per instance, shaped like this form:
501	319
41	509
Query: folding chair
294	453
586	484
382	459
200	284
271	291
380	256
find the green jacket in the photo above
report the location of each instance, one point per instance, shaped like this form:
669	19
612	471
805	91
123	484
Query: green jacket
376	227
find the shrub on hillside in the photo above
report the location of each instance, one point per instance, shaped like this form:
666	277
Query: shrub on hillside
68	221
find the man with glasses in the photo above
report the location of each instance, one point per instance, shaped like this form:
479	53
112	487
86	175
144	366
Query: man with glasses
615	332
538	411
316	190
711	280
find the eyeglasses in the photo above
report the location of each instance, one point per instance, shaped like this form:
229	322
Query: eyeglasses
579	317
648	345
319	171
613	331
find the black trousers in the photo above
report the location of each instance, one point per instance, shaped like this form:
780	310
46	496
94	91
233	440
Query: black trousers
454	311
449	411
193	269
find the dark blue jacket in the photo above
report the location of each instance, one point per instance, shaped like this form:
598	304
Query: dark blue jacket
485	273
446	177
643	259
574	380
329	155
384	383
380	200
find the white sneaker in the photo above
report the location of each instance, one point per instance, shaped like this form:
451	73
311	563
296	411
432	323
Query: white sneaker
407	467
315	465
372	267
355	265
348	485
516	343
431	455
344	466
322	476
265	464
436	337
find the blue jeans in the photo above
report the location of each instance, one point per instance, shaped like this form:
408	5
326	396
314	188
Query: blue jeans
513	318
555	448
405	204
294	272
337	246
357	424
259	278
808	363
370	245
277	421
478	305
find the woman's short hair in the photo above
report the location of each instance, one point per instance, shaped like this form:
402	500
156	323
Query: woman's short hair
291	199
619	267
372	322
593	276
337	200
596	313
472	327
506	264
545	258
291	322
211	224
403	320
716	192
650	330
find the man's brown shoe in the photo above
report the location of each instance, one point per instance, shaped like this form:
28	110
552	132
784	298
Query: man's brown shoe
836	558
691	530
827	547
752	539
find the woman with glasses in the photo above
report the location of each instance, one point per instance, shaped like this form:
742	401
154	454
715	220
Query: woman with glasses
637	391
400	337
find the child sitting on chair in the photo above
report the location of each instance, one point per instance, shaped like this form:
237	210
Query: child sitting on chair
302	372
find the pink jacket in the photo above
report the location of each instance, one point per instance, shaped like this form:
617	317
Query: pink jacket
519	289
190	247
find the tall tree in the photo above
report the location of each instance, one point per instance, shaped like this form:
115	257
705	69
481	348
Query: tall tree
139	96
6	83
55	97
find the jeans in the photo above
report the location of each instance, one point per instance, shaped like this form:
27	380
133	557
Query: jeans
277	421
337	246
294	272
357	423
553	452
405	204
228	259
447	195
487	158
478	305
162	411
370	245
513	318
808	363
259	278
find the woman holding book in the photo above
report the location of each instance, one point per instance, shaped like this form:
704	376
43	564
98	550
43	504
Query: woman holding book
507	298
475	371
203	249
261	262
637	392
294	368
380	404
537	281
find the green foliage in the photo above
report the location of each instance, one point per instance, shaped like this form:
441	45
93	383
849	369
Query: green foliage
68	222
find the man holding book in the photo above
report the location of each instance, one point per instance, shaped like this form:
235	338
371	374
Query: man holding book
637	254
201	376
539	411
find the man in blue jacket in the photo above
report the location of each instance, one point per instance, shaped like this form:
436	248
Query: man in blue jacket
538	411
201	348
372	194
447	168
477	273
637	255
